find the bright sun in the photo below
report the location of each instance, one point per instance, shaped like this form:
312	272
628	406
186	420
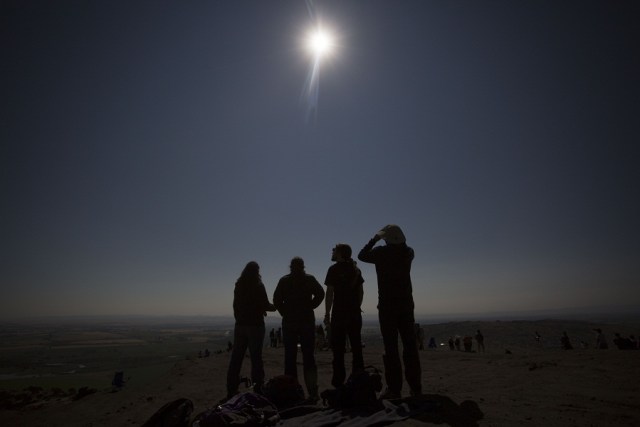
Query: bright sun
320	43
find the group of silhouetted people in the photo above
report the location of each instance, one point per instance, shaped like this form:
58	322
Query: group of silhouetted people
622	343
296	296
275	338
466	342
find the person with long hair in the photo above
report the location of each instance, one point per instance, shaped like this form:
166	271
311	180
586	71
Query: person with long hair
250	306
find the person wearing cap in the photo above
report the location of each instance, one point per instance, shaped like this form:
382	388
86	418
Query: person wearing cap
296	296
344	296
395	308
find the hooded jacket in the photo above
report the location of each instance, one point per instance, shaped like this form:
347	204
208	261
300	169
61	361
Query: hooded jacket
393	269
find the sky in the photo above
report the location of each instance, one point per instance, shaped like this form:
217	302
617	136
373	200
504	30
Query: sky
150	149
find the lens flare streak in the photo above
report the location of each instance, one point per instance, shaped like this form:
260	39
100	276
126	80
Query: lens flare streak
311	89
320	44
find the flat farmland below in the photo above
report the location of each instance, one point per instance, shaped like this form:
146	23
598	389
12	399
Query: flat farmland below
72	356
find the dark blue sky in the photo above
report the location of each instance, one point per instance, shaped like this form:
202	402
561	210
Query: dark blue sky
150	149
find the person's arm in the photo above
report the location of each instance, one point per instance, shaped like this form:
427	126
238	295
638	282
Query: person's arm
367	254
359	283
265	300
328	302
277	298
236	302
318	293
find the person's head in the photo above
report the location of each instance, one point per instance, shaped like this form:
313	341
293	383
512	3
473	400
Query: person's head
392	234
252	269
341	252
297	265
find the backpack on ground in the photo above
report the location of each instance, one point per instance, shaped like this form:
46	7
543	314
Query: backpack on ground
245	409
360	390
284	391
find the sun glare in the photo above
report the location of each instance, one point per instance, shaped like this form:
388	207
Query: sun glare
320	43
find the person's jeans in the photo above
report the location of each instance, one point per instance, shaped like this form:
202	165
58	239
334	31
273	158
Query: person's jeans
305	334
397	319
343	325
251	337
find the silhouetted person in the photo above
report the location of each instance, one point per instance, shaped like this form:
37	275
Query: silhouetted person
419	336
250	304
566	343
395	308
295	297
468	343
342	311
451	344
623	343
321	340
272	337
601	340
480	341
118	379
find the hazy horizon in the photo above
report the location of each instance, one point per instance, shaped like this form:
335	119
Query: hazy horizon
601	313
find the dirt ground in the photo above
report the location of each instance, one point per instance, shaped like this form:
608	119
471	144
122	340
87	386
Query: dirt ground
537	387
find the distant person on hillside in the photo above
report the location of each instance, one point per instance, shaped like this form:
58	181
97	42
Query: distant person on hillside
342	311
327	333
623	343
457	342
420	336
321	340
118	380
395	309
250	306
566	343
279	337
451	344
480	340
432	343
272	338
601	340
296	296
538	338
468	343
